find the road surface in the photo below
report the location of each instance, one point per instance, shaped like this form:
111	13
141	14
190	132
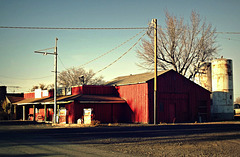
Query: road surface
35	139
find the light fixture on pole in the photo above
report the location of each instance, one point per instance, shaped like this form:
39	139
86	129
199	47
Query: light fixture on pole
55	75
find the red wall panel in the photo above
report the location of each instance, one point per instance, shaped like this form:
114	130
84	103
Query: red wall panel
105	113
94	90
39	116
175	89
29	95
137	98
76	90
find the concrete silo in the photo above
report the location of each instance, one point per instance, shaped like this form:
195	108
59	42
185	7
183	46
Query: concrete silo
222	89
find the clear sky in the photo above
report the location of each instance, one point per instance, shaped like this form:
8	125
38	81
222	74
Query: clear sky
20	66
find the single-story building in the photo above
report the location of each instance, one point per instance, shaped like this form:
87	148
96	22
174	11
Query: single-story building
106	106
127	99
7	108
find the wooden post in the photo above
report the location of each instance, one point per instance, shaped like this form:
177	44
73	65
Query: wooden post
15	112
55	84
57	113
34	113
45	112
24	108
155	71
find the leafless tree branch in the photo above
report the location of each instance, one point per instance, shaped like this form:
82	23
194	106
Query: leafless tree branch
180	46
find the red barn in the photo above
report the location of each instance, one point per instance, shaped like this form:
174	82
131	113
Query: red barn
178	98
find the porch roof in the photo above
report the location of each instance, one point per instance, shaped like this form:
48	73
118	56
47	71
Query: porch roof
70	98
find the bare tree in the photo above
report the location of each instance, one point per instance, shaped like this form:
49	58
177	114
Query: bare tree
77	76
41	86
181	47
237	100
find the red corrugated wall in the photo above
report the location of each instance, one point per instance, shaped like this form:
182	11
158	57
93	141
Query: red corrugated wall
71	113
105	113
29	95
136	96
76	90
94	90
41	114
179	99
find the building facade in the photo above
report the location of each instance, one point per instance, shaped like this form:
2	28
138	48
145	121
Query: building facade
127	99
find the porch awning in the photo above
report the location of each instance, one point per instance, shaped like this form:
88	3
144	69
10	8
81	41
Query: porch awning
82	99
48	100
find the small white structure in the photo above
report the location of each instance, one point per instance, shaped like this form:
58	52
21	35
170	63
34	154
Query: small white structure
222	89
217	77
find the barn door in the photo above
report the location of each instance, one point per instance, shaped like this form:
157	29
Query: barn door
174	107
172	112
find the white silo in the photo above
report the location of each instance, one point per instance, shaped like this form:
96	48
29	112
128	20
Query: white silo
204	77
222	89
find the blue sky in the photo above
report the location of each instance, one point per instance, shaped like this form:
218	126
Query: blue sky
19	64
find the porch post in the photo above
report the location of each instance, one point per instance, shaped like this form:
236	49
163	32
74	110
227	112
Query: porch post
57	113
24	108
34	119
15	112
45	112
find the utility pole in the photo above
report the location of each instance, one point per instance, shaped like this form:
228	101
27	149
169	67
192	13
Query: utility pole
55	83
55	76
155	71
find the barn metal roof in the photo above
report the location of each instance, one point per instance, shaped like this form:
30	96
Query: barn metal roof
134	79
71	98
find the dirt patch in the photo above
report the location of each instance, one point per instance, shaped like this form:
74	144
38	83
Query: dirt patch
223	144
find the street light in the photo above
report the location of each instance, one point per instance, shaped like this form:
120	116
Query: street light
55	76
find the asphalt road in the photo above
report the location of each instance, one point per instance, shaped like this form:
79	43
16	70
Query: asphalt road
35	139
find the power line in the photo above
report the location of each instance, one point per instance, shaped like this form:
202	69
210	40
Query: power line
91	28
111	49
79	28
122	54
228	32
15	78
61	62
46	49
229	38
72	28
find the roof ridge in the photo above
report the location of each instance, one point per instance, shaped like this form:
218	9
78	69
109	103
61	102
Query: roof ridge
134	79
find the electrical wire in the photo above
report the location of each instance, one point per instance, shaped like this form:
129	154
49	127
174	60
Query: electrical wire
229	38
122	54
111	49
46	49
15	78
96	28
90	28
227	32
71	28
61	62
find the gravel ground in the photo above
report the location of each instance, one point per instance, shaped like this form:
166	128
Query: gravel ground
189	145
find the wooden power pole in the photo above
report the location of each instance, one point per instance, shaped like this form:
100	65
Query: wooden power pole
55	76
155	71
